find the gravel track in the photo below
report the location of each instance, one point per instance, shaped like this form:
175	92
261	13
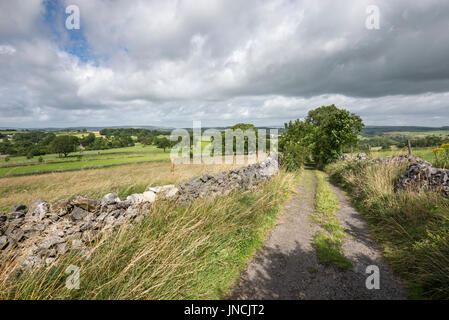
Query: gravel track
287	268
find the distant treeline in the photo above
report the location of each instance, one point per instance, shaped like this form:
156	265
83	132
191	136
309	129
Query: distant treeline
33	143
36	143
401	141
377	130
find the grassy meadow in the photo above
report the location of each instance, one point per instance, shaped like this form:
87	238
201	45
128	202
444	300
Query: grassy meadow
123	180
424	153
81	160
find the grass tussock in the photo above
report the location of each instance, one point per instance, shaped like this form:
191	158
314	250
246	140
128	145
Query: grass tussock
193	251
413	227
326	202
329	251
328	243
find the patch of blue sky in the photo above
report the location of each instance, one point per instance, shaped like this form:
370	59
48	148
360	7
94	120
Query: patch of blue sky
71	41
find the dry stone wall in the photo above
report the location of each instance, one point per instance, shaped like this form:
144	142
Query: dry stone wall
419	174
391	159
422	176
39	234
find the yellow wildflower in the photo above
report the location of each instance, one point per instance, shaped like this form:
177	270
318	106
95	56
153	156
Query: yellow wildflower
437	149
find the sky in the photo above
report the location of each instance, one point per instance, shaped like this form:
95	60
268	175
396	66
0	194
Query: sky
168	63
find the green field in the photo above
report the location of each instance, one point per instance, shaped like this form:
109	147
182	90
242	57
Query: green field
424	153
138	148
82	160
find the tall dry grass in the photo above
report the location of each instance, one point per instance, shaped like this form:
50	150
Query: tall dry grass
195	251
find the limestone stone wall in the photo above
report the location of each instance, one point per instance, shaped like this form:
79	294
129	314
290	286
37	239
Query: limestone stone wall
419	174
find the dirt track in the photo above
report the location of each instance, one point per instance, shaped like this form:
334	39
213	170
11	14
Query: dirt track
287	267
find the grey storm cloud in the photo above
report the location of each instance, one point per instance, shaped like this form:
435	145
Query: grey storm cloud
266	62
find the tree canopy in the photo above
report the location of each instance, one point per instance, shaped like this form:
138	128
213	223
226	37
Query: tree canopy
322	136
64	144
334	129
163	143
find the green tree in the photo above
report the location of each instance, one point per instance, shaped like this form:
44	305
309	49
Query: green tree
296	144
88	140
323	135
334	129
65	144
244	126
146	140
163	143
6	147
99	143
